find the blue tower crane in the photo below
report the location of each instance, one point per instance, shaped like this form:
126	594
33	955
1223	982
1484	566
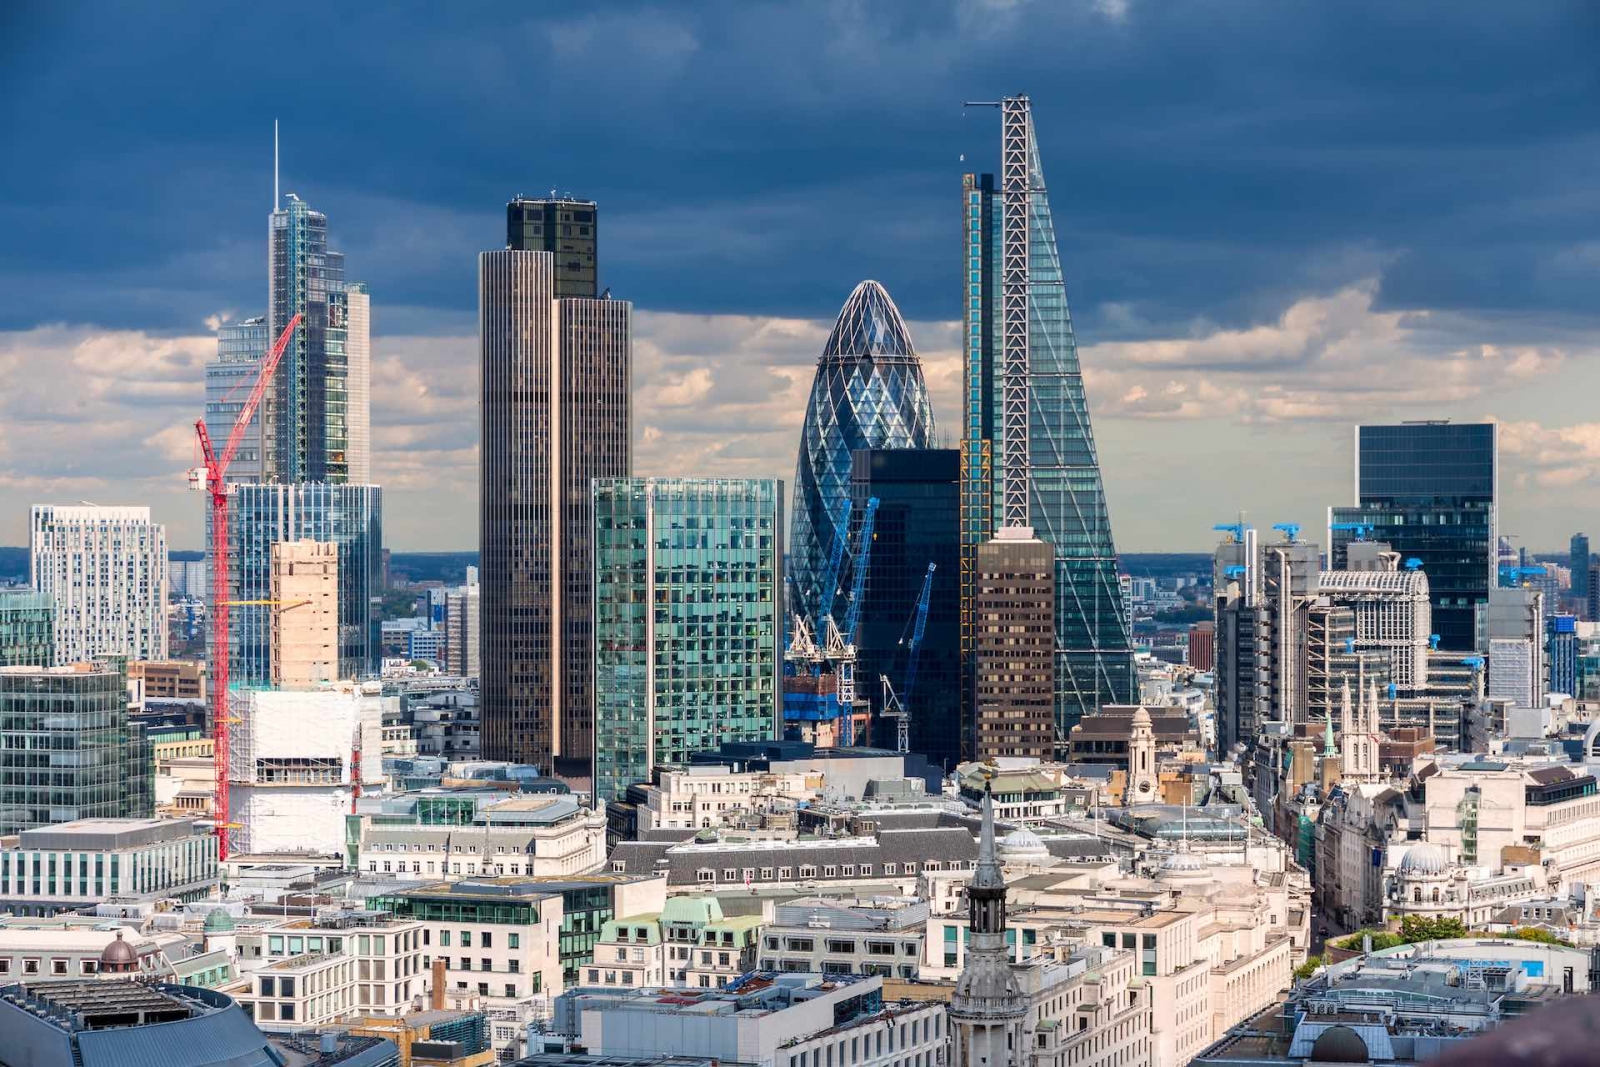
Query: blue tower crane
830	578
1235	528
846	649
899	707
1234	570
1511	577
1290	530
1413	564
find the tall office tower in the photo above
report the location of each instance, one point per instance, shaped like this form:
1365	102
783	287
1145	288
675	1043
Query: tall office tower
1028	449
917	521
1580	568
358	389
461	640
305	620
1015	660
556	413
1202	650
229	377
688	621
106	570
1561	650
566	228
868	392
68	749
1429	489
313	405
27	628
1242	641
262	516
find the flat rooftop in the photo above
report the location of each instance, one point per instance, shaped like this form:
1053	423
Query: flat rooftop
107	834
99	1004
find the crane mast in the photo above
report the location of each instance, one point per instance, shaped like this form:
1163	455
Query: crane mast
211	478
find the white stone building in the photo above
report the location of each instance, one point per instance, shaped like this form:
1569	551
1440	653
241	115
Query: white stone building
106	570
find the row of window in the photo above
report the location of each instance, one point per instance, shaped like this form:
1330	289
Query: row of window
829	870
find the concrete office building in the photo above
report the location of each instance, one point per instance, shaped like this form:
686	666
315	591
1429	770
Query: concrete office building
1580	566
1015	661
1511	632
78	864
229	378
305	619
68	748
173	679
688	603
27	628
917	525
461	633
556	413
1431	491
105	569
358	382
263	516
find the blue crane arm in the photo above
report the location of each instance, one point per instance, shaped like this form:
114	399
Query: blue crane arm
830	578
858	584
916	635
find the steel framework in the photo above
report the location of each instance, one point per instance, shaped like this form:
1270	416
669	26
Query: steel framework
1016	135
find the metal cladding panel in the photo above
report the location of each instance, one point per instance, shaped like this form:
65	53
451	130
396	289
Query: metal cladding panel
222	1039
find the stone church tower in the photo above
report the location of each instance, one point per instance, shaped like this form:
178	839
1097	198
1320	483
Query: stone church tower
988	1009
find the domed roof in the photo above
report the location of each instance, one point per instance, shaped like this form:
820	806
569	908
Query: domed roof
119	956
1339	1044
1022	843
869	325
1424	859
218	921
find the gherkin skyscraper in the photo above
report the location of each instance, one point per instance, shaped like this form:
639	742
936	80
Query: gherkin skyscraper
868	393
1028	452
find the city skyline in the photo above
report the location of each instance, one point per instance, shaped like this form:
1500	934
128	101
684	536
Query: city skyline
1248	279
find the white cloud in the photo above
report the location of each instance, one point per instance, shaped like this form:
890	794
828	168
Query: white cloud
108	415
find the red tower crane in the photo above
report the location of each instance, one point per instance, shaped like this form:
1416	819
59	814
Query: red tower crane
211	479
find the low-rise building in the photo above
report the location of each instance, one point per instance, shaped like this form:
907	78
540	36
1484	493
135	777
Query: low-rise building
121	1022
511	835
301	991
40	950
388	955
882	936
67	866
1405	1005
167	679
704	796
785	1020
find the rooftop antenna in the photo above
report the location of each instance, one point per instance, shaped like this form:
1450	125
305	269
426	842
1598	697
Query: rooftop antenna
275	200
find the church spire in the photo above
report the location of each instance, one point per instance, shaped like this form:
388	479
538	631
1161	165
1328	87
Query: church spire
988	875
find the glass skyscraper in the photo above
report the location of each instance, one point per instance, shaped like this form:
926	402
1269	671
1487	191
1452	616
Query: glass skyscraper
1015	303
313	410
68	749
349	516
688	633
918	491
1429	490
868	392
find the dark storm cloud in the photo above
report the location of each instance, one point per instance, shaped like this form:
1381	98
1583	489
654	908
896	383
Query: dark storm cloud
1208	161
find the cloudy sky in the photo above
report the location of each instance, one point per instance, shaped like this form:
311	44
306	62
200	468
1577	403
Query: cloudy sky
1276	220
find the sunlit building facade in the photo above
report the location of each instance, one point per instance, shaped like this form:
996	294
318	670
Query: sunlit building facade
1052	447
688	620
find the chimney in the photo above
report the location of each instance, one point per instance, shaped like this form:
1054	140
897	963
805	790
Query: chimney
437	1003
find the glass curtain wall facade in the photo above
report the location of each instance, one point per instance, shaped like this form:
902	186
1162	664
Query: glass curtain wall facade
1066	499
309	408
27	629
349	516
688	625
229	378
1430	491
918	493
68	749
868	392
